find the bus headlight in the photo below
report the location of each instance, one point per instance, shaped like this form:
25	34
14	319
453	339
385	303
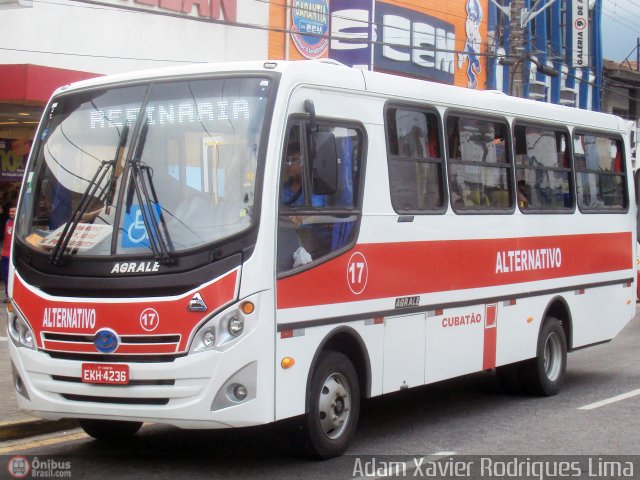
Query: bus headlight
20	331
205	338
219	330
236	325
209	338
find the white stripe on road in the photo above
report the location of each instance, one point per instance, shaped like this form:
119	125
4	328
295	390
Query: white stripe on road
607	401
3	339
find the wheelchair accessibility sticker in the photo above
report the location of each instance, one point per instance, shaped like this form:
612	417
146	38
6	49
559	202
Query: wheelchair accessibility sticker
135	233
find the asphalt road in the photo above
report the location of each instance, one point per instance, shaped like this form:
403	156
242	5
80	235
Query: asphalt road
460	417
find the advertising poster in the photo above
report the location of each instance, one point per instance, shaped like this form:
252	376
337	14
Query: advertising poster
310	27
351	32
431	40
13	158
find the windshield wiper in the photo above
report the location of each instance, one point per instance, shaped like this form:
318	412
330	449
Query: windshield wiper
111	185
141	182
106	195
67	233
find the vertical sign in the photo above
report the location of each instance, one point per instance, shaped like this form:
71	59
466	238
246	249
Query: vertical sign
580	33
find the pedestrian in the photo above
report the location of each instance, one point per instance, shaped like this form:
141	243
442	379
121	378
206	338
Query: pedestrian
6	250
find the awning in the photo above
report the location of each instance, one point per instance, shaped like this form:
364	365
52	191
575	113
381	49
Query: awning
35	83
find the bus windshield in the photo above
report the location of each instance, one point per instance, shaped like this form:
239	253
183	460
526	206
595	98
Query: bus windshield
152	168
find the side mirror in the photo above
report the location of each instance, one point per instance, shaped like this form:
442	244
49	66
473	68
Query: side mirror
324	163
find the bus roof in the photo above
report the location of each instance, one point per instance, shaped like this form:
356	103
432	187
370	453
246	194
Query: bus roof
329	73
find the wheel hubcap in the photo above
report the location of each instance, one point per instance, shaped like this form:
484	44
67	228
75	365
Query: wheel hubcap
334	405
552	356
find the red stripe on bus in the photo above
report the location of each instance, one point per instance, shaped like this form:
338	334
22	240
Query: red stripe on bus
87	317
490	337
401	269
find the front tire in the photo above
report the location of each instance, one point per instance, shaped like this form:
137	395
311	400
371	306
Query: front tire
544	375
334	406
110	430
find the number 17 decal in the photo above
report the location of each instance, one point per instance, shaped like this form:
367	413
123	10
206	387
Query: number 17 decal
357	273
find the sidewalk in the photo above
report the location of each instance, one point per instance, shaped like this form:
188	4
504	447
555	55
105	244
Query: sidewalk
15	424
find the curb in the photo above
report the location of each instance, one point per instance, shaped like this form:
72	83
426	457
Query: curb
15	430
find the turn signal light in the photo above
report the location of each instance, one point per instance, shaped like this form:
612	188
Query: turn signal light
9	307
287	362
247	308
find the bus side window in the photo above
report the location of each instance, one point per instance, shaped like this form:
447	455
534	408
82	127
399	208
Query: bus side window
313	227
601	176
543	169
479	164
415	166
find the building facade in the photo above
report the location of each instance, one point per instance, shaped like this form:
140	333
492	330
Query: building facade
557	36
622	97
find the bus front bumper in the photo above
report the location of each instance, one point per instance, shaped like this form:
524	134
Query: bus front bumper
193	391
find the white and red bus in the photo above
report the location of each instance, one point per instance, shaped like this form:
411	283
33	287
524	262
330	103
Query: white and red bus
220	246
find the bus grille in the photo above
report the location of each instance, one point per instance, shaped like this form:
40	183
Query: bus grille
132	383
116	400
132	348
110	358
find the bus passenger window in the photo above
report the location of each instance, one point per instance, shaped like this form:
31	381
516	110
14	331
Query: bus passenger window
600	174
543	170
415	164
479	165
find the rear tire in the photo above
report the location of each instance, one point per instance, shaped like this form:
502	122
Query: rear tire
544	375
334	406
110	430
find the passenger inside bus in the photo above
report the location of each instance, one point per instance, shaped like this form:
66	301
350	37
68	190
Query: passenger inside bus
309	226
523	201
291	253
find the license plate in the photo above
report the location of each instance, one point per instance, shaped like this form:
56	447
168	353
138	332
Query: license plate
105	373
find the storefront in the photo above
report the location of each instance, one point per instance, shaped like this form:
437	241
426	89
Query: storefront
23	93
47	45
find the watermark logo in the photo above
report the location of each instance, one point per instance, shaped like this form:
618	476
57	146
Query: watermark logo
19	467
22	467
